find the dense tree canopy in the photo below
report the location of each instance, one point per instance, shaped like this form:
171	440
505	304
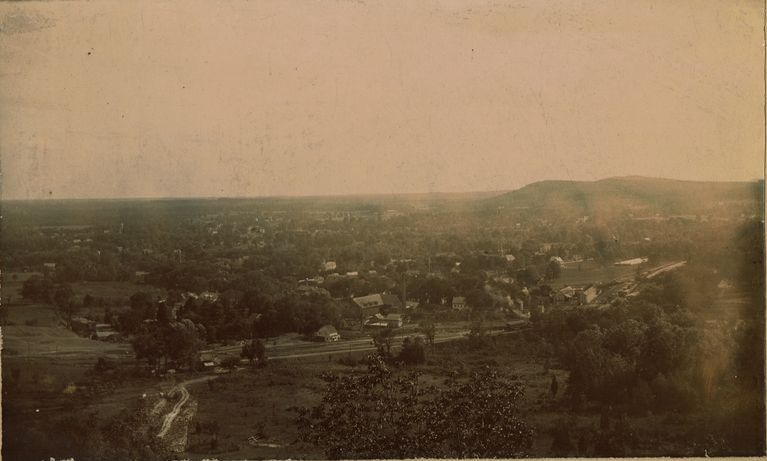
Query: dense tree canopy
388	414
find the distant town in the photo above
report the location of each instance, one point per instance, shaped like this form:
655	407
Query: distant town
623	323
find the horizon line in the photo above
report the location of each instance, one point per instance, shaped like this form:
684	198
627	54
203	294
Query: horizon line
363	194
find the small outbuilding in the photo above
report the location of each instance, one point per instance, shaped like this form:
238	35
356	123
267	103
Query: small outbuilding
328	333
459	303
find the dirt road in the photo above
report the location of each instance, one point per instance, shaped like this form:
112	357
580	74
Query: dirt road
171	416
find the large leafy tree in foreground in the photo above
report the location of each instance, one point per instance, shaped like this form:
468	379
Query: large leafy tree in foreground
388	414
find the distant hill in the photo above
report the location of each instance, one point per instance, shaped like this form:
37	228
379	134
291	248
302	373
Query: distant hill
640	196
611	197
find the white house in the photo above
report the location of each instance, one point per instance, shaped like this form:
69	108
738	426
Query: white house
459	303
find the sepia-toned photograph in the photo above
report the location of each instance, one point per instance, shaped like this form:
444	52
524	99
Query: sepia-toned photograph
382	229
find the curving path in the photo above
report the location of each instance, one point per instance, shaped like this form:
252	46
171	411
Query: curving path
170	417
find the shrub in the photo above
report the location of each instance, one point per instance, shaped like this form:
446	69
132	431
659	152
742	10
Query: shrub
102	365
413	351
348	360
230	361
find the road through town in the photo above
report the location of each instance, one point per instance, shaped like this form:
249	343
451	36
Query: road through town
310	349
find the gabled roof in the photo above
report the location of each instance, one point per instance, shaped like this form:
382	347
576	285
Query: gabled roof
369	301
105	333
383	320
207	357
459	300
378	300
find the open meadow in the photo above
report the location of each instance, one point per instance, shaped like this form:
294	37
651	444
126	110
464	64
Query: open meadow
590	272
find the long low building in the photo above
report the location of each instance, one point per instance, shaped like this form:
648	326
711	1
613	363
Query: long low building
372	304
384	321
631	262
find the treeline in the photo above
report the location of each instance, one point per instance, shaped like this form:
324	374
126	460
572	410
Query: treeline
637	355
294	248
250	315
662	357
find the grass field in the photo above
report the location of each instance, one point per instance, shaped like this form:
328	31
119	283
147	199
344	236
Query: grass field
36	329
32	314
256	402
118	292
11	285
44	362
589	272
36	341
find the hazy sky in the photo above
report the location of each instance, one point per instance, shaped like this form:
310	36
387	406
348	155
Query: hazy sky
289	97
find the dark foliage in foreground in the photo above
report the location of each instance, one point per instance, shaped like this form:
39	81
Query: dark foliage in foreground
640	358
129	436
385	414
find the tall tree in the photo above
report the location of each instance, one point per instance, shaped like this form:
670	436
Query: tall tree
64	299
